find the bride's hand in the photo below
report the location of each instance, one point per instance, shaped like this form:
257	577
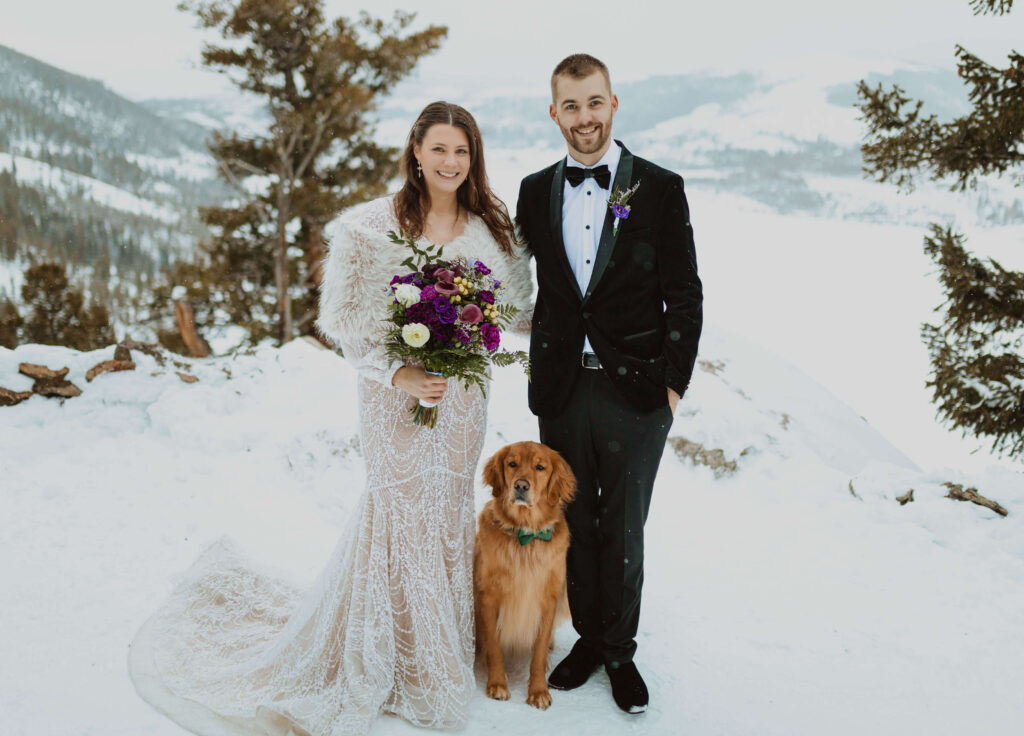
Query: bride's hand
417	382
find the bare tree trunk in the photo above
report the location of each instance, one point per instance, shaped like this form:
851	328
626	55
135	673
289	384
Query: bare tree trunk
281	271
315	253
185	317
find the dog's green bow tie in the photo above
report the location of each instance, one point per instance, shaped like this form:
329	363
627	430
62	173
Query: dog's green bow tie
525	536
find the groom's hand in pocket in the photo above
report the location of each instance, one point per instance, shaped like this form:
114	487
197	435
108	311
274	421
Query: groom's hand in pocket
673	400
417	382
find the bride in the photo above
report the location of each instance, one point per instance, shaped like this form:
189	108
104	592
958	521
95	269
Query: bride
388	624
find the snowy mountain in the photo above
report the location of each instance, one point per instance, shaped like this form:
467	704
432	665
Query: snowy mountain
112	185
786	137
234	111
95	180
787	592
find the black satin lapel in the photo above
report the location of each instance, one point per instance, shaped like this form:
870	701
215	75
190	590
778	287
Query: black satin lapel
609	234
555	222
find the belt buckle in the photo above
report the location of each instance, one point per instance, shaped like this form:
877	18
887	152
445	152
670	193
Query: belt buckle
585	364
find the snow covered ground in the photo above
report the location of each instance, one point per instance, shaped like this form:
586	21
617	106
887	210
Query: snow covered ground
776	603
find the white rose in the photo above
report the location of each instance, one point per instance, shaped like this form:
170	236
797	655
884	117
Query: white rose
415	334
407	295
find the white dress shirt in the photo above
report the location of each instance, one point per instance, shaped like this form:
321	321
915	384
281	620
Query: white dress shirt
583	214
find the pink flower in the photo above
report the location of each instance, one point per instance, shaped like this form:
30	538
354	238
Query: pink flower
471	314
443	274
446	288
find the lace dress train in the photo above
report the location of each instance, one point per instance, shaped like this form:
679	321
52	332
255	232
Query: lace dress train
388	624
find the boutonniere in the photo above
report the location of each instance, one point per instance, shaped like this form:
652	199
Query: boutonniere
619	202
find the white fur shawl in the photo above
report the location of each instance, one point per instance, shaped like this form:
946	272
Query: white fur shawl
361	260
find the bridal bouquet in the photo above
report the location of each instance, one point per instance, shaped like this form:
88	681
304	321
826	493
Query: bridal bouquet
448	315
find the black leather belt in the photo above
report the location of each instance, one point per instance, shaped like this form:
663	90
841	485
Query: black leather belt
589	360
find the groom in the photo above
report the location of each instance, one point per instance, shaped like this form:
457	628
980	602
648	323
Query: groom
613	346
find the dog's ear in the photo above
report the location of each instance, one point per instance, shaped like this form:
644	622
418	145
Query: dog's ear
494	472
562	479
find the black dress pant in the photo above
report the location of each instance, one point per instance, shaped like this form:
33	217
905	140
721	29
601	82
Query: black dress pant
614	452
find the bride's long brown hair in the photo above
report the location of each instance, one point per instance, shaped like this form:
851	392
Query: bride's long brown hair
474	194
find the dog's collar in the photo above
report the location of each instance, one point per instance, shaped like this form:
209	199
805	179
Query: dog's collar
525	536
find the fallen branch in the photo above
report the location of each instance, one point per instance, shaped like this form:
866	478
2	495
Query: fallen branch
958	493
149	348
697	454
41	372
48	382
10	398
109	366
906	497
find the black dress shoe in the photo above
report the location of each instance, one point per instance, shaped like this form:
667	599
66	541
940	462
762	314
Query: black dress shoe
576	668
628	688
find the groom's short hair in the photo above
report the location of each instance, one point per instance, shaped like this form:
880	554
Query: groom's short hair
578	66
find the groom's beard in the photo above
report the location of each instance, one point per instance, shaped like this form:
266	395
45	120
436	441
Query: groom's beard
587	144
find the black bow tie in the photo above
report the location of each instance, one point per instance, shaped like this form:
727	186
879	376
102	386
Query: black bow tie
601	174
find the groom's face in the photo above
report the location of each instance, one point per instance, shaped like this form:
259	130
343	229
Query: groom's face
583	110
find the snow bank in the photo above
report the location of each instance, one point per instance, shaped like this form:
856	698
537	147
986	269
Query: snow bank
776	602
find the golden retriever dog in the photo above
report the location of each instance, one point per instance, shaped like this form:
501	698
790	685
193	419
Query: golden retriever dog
519	562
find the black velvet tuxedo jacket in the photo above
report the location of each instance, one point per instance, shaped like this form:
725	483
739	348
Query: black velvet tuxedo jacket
642	309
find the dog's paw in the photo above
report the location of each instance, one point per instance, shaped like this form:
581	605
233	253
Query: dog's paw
539	698
498	691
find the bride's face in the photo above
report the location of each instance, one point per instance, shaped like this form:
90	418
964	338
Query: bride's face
444	157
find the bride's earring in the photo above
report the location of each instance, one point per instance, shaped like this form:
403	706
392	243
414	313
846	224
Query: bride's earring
419	169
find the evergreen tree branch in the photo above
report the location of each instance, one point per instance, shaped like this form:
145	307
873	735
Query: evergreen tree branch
901	141
321	81
977	350
995	7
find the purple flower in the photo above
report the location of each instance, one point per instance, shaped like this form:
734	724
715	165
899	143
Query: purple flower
491	336
444	332
621	211
497	284
486	296
428	293
422	313
481	268
464	335
395	280
471	314
445	310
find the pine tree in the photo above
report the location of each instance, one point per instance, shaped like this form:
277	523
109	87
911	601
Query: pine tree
321	81
58	313
976	351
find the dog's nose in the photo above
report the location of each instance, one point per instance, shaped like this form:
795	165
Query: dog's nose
522	486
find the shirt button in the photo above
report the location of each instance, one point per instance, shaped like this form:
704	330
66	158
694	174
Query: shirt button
588	260
588	227
588	193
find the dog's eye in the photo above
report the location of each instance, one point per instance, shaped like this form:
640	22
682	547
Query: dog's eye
512	464
540	467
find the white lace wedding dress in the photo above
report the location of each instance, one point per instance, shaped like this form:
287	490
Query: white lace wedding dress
388	624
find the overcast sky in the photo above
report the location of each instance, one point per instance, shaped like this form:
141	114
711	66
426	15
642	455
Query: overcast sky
146	48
